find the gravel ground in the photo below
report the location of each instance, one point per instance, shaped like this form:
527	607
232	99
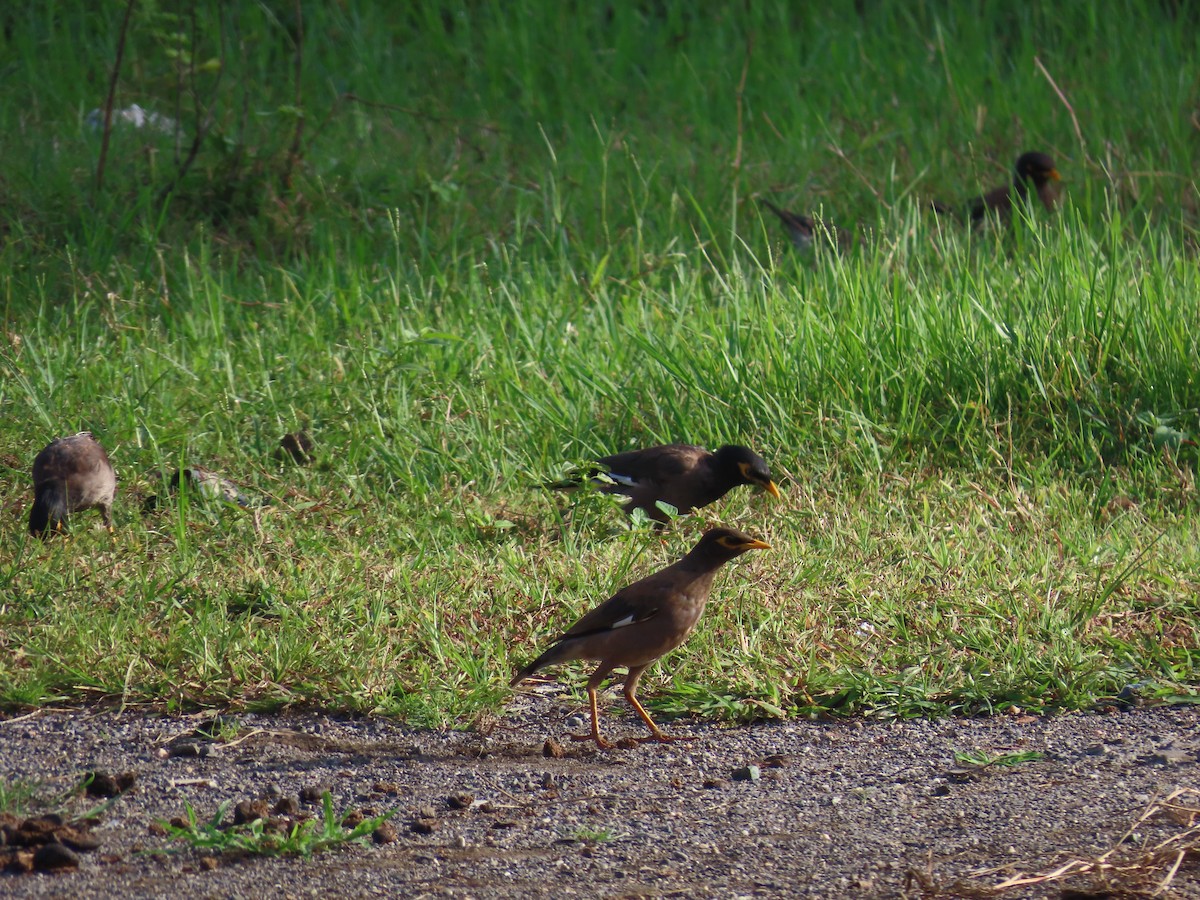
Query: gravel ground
830	809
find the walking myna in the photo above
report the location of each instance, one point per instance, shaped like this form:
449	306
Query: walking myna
70	474
644	621
804	231
682	475
1034	170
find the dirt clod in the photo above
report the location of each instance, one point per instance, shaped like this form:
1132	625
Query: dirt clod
52	857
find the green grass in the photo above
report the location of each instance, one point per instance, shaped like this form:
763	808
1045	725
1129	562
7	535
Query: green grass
528	238
258	838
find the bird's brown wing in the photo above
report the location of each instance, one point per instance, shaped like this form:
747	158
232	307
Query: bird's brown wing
626	607
997	201
653	465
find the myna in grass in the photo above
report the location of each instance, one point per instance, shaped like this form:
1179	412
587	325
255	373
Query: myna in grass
298	446
70	474
1034	171
681	475
640	623
805	232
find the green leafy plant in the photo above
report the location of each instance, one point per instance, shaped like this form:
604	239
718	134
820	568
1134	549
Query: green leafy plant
981	759
302	838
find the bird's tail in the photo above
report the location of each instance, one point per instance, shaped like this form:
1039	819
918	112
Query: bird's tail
552	655
49	511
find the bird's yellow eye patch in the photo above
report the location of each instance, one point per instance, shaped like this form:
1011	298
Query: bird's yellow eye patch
735	544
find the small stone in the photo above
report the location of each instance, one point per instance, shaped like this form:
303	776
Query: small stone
286	806
188	750
180	822
548	783
715	784
386	787
1172	756
54	857
158	829
314	793
385	834
353	819
101	784
460	801
424	826
426	812
1096	750
746	773
552	749
209	863
248	811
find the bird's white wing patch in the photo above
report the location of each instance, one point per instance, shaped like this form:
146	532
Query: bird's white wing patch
621	623
623	479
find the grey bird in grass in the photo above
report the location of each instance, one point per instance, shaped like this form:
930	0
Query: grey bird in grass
205	485
806	233
210	485
684	476
70	474
642	622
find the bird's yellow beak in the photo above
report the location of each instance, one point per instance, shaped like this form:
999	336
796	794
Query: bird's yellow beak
771	488
1053	175
756	545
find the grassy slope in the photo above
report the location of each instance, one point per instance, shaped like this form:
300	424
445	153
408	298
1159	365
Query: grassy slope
532	239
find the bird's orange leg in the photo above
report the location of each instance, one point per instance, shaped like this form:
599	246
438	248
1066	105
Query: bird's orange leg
657	734
593	684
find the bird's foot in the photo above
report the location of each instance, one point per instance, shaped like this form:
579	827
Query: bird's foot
600	741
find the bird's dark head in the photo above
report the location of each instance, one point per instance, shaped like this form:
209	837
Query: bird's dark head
1036	167
719	545
747	467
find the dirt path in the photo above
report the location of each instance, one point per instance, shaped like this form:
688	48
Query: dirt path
845	809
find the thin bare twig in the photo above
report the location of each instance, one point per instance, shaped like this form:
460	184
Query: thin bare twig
112	93
1070	109
841	154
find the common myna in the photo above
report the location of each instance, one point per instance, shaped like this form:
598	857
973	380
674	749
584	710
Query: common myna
69	475
640	623
805	232
682	475
298	446
1034	170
